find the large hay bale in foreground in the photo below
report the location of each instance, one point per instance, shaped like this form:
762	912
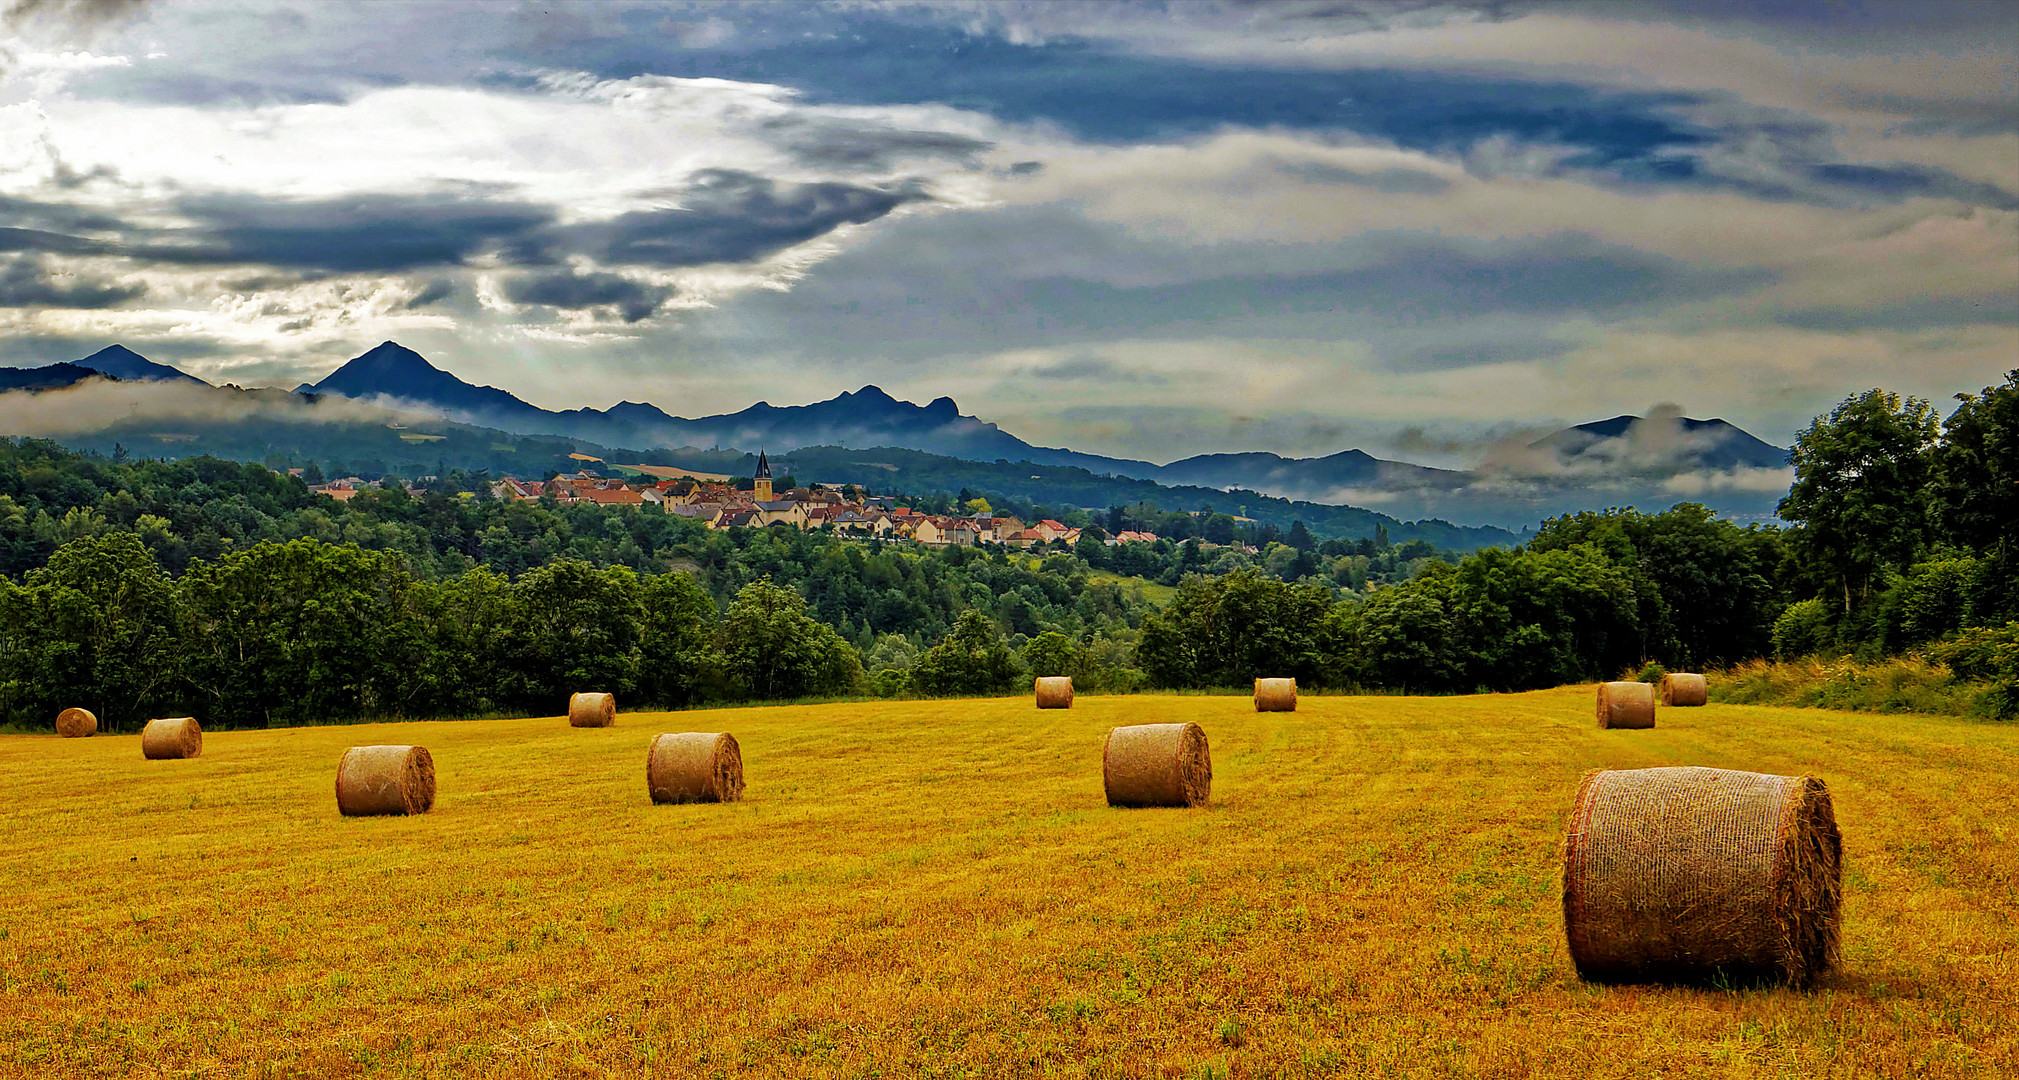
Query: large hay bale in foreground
1054	692
1684	689
1698	875
694	766
592	710
1625	705
76	723
1275	695
385	780
175	737
1157	765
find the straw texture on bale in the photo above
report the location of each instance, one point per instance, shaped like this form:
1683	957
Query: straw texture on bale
694	766
1625	705
76	723
1682	688
1702	875
592	710
1157	765
1055	692
385	780
1275	695
176	737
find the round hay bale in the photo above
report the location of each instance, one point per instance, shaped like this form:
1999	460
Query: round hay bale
592	710
1684	689
76	723
175	737
694	766
1275	695
1625	705
385	780
1054	692
1157	765
1702	875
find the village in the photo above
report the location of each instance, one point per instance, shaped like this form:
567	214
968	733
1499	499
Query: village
720	504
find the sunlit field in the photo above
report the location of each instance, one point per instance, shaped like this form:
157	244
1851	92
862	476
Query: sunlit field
938	889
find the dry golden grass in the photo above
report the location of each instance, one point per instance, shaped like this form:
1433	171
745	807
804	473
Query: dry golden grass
937	889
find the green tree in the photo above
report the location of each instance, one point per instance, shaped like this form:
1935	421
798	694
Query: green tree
575	628
972	658
679	629
95	627
1231	630
1860	490
1976	468
771	649
1052	653
298	631
1407	638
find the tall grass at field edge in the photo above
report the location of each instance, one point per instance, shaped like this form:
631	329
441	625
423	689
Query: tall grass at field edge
1899	684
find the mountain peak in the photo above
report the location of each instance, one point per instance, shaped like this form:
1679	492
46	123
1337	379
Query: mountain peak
392	354
393	370
126	365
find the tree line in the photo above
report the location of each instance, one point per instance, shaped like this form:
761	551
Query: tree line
226	590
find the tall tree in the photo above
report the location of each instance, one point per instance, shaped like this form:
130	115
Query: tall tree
1860	490
95	627
300	631
770	648
972	658
1976	474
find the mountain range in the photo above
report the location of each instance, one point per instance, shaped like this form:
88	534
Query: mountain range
1619	461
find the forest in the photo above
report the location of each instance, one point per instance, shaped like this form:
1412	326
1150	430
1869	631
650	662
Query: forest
228	591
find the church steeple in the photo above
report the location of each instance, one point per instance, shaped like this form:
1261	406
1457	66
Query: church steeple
763	485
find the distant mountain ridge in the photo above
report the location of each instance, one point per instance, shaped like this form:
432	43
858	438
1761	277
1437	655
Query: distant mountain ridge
863	418
116	362
49	377
1621	461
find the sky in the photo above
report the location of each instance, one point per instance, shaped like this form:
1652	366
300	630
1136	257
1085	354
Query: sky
1142	230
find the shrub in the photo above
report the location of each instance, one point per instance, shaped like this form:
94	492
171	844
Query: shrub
1988	654
1807	627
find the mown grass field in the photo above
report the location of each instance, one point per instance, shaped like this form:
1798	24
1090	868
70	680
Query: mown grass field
938	889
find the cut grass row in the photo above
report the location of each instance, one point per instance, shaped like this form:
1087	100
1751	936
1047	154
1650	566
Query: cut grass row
936	888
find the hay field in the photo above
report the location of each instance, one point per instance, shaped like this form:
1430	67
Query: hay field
937	889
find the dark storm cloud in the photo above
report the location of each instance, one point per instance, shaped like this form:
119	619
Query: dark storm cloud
362	233
1096	369
1436	348
75	16
30	215
575	291
728	216
12	239
27	281
1416	279
433	292
1907	315
723	217
1100	93
1902	181
865	147
944	284
1385	181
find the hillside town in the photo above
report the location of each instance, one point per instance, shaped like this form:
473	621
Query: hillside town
723	505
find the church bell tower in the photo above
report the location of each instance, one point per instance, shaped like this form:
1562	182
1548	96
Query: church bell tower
763	485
